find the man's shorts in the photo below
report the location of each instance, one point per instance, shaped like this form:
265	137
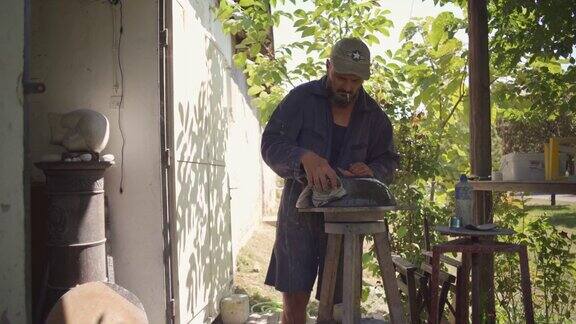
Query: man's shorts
299	250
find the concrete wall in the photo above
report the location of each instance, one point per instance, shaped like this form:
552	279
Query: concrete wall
73	53
217	170
13	281
244	165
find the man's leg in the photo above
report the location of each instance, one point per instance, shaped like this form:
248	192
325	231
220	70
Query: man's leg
295	307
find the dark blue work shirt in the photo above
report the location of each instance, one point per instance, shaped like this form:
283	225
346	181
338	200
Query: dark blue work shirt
338	134
303	122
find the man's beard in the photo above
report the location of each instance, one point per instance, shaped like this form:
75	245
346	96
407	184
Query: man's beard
341	98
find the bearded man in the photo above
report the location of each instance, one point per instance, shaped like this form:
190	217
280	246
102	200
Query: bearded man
321	128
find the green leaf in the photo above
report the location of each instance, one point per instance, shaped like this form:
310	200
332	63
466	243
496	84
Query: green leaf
308	31
255	89
240	59
439	28
300	22
255	49
453	86
371	39
246	3
224	12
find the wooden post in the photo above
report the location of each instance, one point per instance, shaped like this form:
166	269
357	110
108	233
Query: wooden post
352	279
383	255
480	137
329	277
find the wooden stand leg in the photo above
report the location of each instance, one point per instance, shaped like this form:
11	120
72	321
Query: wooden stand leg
462	279
325	309
413	299
525	283
388	277
442	300
433	312
359	251
476	298
352	279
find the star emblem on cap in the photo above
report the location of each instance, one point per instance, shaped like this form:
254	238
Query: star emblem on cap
356	55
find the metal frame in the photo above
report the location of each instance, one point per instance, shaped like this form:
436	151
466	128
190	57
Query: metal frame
166	104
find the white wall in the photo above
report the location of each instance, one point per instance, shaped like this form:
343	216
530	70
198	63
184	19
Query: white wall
73	54
241	137
13	295
217	171
244	165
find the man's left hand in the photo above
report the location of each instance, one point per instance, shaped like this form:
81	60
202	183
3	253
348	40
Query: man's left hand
360	169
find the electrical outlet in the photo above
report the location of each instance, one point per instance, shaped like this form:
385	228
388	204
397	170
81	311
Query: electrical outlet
115	102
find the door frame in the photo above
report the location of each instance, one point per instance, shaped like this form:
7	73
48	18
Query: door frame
166	108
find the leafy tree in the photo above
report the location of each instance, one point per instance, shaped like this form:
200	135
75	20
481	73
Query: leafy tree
532	48
267	75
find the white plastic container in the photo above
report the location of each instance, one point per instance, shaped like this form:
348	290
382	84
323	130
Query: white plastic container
526	166
463	193
235	309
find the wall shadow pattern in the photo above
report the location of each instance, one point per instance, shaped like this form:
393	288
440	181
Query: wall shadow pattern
202	238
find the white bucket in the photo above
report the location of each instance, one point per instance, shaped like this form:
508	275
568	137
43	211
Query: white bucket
235	309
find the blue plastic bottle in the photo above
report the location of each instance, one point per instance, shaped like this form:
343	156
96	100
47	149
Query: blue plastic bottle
463	194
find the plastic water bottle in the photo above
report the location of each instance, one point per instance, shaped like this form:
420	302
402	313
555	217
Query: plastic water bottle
463	194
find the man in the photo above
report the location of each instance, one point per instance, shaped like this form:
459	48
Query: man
321	127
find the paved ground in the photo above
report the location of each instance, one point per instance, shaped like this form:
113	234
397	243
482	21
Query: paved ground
560	199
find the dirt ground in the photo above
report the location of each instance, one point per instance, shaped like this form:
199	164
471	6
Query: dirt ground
251	270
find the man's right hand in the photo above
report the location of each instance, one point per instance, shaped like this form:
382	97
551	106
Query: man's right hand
318	172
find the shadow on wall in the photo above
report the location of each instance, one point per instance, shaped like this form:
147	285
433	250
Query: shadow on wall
206	8
203	225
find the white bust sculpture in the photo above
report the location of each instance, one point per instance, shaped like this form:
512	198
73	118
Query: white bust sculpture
82	130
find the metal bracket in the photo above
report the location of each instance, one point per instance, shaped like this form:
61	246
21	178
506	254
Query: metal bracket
172	308
33	87
167	157
164	37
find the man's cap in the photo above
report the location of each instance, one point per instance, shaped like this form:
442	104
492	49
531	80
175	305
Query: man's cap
351	56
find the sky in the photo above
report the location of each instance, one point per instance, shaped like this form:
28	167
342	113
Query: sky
401	11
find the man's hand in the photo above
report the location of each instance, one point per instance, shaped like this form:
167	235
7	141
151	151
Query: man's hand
359	169
318	171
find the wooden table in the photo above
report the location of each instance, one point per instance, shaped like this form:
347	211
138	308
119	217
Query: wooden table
472	245
549	187
349	225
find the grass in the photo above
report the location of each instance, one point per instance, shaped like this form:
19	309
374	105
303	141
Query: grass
561	216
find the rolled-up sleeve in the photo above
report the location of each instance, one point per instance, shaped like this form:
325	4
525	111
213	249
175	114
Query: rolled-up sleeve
279	145
382	156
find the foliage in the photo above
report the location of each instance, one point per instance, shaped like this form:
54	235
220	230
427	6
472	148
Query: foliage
552	268
532	48
529	30
514	133
267	75
542	90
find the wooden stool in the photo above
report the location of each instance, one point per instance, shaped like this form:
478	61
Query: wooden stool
471	245
350	224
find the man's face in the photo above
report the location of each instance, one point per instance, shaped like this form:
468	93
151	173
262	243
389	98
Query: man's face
343	88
